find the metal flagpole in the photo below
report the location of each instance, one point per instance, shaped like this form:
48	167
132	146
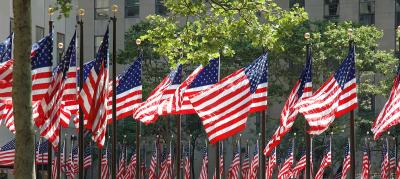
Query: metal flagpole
352	134
60	47
217	144
398	55
114	9
138	127
65	155
308	136
49	149
80	138
178	147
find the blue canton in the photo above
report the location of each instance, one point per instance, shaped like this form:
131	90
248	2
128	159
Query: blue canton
42	147
130	78
347	70
6	49
176	75
9	146
257	72
102	54
42	53
306	75
207	76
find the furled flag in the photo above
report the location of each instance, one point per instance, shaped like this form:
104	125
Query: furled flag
6	49
271	164
302	89
398	170
41	152
338	173
366	165
62	159
389	116
385	162
221	159
153	163
51	112
70	164
326	161
166	165
54	168
129	91
337	96
200	79
187	162
105	171
346	161
204	165
7	154
245	170
300	165
286	170
233	171
147	112
131	171
224	106
87	157
122	167
392	160
254	163
143	163
93	97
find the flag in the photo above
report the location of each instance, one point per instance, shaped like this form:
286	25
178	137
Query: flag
147	112
187	162
326	161
7	153
338	173
245	170
200	79
366	165
62	159
143	163
87	157
131	171
233	171
6	49
105	172
93	96
121	168
129	91
51	112
54	168
385	162
153	163
300	165
271	164
392	160
286	170
41	152
6	67
166	165
346	161
337	96
224	106
254	163
204	165
70	163
398	170
302	89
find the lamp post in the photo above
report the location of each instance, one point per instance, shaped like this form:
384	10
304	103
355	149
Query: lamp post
81	144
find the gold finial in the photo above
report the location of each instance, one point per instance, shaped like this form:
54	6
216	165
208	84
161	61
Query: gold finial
114	8
350	33
81	12
60	45
50	11
138	41
307	36
124	136
367	132
331	133
295	134
389	133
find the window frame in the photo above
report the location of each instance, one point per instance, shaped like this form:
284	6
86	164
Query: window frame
293	2
159	5
96	17
135	5
371	15
329	16
95	43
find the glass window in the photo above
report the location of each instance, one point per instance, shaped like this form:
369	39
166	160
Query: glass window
132	8
39	33
160	8
367	12
397	13
300	3
101	9
331	9
11	25
60	39
98	39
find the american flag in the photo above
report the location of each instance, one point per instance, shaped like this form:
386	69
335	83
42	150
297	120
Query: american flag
388	117
187	162
346	161
87	157
398	170
221	160
131	170
105	172
147	112
72	167
338	173
302	89
143	163
224	107
51	112
153	163
93	96
286	170
245	170
335	97
129	91
254	163
166	165
233	171
7	153
6	49
300	165
122	167
204	165
62	159
392	160
54	168
41	152
271	164
326	161
200	79
385	162
366	165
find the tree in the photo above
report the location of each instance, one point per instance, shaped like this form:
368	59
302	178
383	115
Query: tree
22	83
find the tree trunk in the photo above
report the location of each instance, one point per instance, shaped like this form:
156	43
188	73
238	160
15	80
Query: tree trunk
21	92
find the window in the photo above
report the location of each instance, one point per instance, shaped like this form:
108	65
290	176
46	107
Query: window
300	3
397	13
101	9
160	8
98	39
367	12
132	8
39	33
60	39
11	25
331	9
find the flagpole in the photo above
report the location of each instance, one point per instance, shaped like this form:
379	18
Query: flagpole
398	54
217	144
60	47
114	9
178	147
50	11
65	154
330	150
308	136
138	130
81	144
352	134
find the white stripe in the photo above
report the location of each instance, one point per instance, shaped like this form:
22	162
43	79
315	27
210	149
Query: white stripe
227	129
221	114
